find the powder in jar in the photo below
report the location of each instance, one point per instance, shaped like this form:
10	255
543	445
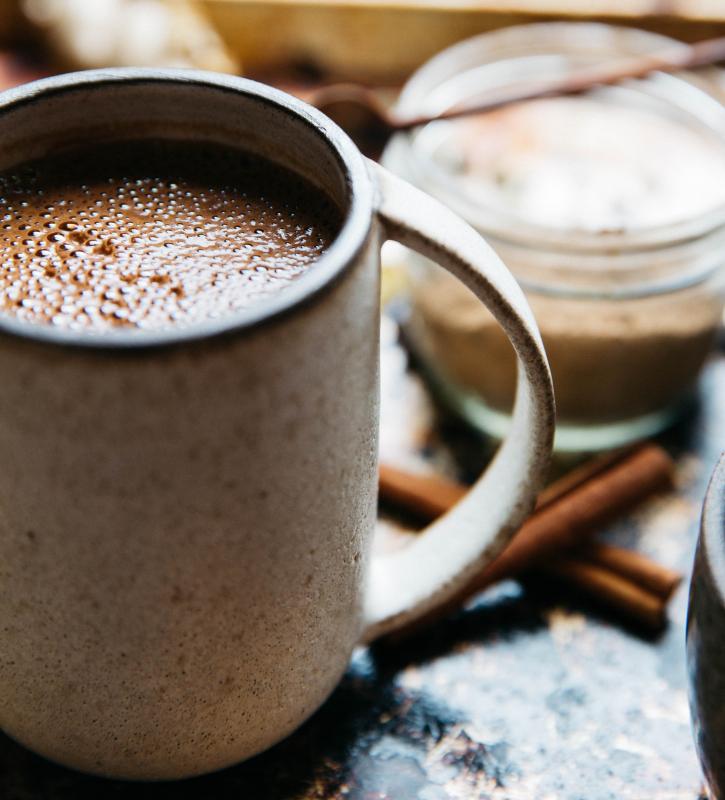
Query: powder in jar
561	169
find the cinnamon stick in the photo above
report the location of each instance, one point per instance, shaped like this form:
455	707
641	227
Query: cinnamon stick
673	59
637	603
646	573
581	474
568	512
565	522
430	496
427	496
385	122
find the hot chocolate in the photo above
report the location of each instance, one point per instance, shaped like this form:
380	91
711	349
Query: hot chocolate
153	233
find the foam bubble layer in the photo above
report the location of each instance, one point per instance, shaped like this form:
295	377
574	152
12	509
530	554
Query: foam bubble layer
153	234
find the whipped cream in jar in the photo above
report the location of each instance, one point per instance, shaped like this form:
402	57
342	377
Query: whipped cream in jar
608	207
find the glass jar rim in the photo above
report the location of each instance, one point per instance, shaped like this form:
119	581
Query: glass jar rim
689	95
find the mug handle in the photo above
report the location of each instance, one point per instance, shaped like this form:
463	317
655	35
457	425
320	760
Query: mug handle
411	584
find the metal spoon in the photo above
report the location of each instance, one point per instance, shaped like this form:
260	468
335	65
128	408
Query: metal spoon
361	111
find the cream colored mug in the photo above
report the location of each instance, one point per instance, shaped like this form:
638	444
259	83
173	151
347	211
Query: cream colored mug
186	515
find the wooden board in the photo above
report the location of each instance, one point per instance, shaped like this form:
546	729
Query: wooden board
383	42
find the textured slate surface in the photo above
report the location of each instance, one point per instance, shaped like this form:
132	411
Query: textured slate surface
528	693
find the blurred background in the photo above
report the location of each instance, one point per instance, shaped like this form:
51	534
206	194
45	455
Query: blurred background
298	41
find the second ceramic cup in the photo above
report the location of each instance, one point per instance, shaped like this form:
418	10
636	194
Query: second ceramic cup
706	636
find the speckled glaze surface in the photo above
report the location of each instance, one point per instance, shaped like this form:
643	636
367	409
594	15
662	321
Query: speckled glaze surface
706	636
172	596
186	516
184	525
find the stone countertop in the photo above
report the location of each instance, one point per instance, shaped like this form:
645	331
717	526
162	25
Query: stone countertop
527	693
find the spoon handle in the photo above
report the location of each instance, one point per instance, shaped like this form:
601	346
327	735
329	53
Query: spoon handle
704	53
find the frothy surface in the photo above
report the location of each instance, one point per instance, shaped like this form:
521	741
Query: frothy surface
152	234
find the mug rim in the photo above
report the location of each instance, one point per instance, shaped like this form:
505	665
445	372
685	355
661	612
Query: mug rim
311	285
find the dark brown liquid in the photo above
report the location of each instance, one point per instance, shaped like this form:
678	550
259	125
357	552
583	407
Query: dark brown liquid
153	234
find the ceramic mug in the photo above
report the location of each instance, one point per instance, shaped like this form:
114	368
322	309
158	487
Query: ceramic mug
706	636
186	514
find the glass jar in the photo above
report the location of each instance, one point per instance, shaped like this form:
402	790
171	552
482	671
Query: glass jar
609	208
